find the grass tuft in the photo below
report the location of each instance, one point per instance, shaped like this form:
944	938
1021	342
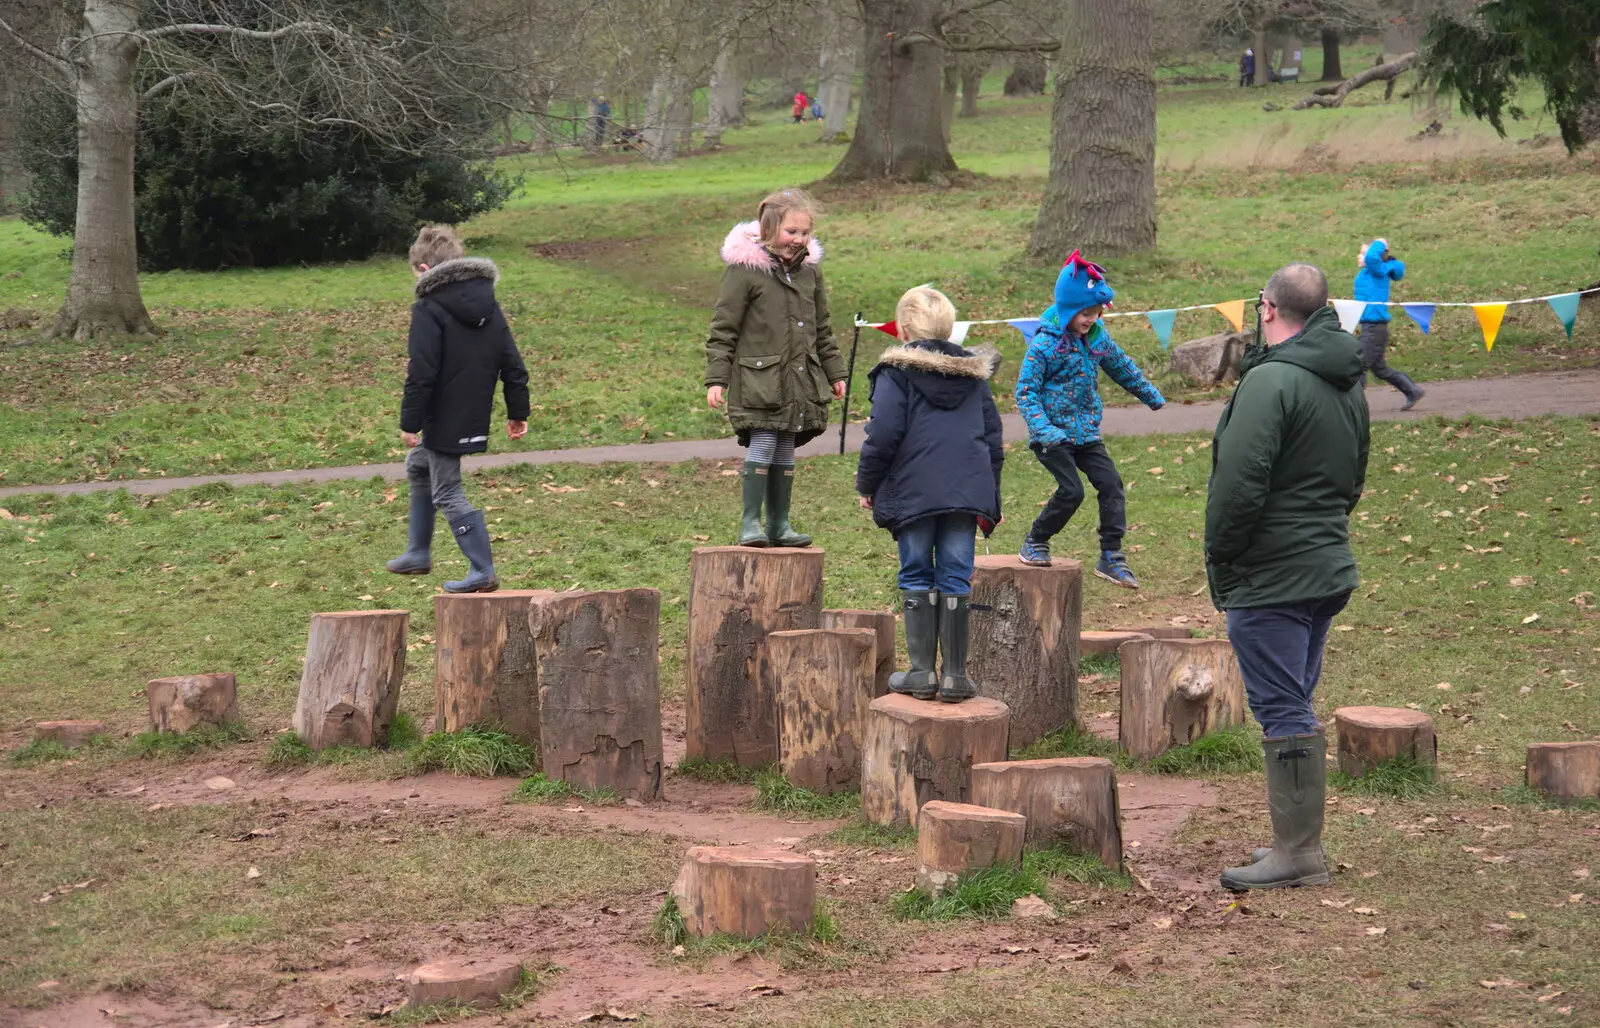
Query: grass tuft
536	788
1230	751
1107	665
41	751
774	792
1526	795
404	733
1083	868
201	737
1403	777
723	769
1074	741
860	832
668	926
477	751
289	751
986	894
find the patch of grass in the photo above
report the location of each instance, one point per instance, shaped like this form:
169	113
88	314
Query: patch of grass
668	926
43	751
1106	665
1083	868
986	894
860	832
536	788
1526	795
477	751
201	737
1404	777
723	769
404	732
288	750
774	792
1231	751
1074	741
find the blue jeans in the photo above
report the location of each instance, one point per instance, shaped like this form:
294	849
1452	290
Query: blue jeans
1280	657
936	554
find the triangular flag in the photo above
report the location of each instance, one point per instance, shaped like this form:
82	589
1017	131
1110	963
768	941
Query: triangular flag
1566	308
1350	312
890	327
1489	317
1233	310
1422	314
1027	326
958	333
1161	323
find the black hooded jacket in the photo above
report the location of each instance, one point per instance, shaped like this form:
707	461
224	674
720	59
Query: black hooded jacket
460	345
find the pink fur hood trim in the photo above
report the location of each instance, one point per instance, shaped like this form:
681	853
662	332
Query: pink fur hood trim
743	247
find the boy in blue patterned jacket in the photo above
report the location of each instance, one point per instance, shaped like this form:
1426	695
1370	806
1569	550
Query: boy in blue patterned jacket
1057	395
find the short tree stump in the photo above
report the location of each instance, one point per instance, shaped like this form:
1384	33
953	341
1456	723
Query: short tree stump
882	623
1100	644
1174	691
1565	770
483	663
823	681
1069	802
1158	631
350	689
746	891
461	982
1024	650
922	750
954	839
1369	736
70	734
179	704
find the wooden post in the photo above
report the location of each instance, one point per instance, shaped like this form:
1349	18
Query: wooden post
70	734
599	688
823	681
736	596
922	750
1069	802
1158	631
882	623
350	689
1369	736
1176	690
483	663
179	704
1565	770
746	890
1101	643
1024	652
956	838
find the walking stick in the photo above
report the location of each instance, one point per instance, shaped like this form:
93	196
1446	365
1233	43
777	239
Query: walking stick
849	379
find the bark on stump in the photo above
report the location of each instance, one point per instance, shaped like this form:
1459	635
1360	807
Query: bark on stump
1565	770
179	704
1091	643
70	734
882	623
355	663
467	983
599	688
1175	691
737	595
483	669
745	890
923	750
1024	652
1369	736
823	682
954	839
1069	802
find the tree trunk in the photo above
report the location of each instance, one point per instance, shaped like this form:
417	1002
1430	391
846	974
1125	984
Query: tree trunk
1263	43
1369	736
483	669
947	109
1024	651
179	704
1175	691
1331	71
823	681
898	133
1101	197
746	891
350	689
838	82
954	839
725	98
919	751
660	139
544	131
1565	770
971	82
683	116
10	104
1069	802
1028	76
882	623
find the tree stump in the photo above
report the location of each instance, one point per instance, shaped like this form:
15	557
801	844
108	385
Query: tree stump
882	623
70	734
737	595
1069	802
823	680
179	704
1092	643
1024	651
1158	631
1369	736
599	688
350	689
956	838
483	662
1565	770
464	982
1175	691
746	890
922	750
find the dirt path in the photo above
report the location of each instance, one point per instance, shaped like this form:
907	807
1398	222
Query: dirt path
1574	393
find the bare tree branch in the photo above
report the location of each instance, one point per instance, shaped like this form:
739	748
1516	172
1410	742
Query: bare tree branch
259	35
1039	47
171	82
946	18
44	55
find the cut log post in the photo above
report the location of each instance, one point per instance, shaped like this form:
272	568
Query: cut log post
599	689
350	689
460	982
823	679
483	663
1092	643
1565	770
1024	650
737	595
882	623
1175	691
1069	802
1158	631
179	704
70	734
1369	736
919	750
954	839
746	891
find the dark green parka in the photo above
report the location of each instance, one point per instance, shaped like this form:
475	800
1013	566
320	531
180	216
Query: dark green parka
1288	464
771	344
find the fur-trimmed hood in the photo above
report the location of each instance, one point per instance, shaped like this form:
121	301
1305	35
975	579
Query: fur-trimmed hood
980	362
743	248
464	287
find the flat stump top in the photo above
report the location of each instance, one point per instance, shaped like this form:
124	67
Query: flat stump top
905	708
356	613
941	810
749	551
1160	631
1002	561
463	970
1045	764
1545	747
750	856
1382	717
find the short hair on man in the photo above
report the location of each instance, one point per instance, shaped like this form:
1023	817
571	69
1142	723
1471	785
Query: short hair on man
924	313
1298	291
436	244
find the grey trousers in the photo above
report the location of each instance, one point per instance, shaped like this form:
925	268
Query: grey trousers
1374	342
438	475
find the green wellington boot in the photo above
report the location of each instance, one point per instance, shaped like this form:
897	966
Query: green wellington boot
754	477
954	685
922	644
780	490
1297	785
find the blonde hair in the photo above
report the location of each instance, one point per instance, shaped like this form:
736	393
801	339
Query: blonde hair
771	211
436	244
924	313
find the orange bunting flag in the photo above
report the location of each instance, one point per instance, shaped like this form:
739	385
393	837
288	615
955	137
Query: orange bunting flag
1489	318
1233	310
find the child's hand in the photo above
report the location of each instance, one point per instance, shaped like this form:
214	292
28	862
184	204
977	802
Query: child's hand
411	439
838	390
713	397
865	501
516	429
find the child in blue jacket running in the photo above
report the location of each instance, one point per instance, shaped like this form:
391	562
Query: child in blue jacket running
1376	267
1057	395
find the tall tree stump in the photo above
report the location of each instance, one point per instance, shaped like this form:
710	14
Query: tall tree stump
882	623
1565	770
1369	736
1175	691
1069	802
737	595
922	750
599	688
1095	644
355	663
70	734
1024	651
746	890
181	703
954	839
483	662
823	679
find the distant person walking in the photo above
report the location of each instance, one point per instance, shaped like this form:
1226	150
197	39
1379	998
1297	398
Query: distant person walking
1247	69
801	102
816	109
1376	267
601	121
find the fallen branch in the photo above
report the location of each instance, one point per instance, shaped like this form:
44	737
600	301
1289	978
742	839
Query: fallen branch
1333	96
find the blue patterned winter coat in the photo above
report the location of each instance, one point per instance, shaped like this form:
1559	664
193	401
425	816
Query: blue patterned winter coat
1056	386
1377	269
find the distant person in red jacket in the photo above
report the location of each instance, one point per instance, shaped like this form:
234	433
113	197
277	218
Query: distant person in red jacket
801	102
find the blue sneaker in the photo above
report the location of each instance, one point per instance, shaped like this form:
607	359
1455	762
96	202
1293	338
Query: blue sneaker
1113	567
1035	554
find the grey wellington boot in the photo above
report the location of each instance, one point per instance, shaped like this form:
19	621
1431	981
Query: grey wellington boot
472	535
922	645
754	478
954	685
1297	784
418	558
780	492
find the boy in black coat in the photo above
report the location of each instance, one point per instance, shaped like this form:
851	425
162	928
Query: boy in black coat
930	474
460	346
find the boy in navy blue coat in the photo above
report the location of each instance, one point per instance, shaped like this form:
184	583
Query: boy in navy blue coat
930	474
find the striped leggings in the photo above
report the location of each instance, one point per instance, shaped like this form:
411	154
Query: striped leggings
770	449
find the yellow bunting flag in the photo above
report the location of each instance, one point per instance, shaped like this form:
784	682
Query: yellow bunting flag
1233	310
1489	317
